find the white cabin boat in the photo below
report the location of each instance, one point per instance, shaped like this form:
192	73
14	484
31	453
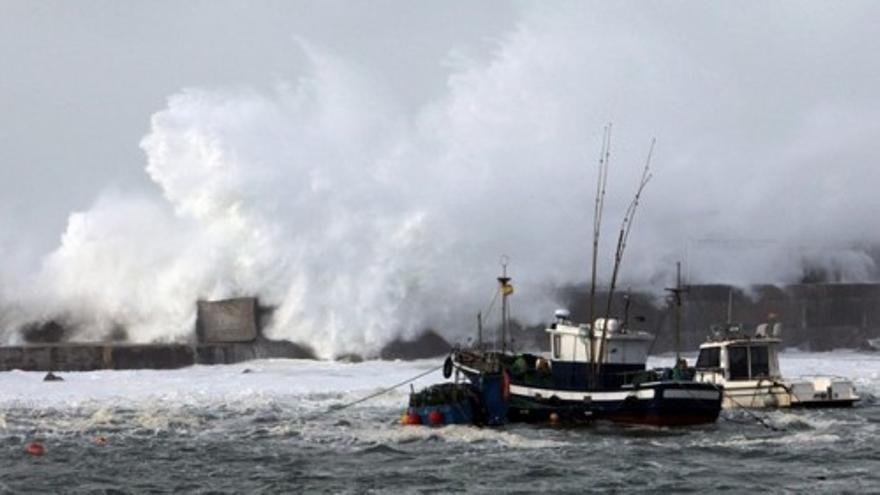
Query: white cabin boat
747	366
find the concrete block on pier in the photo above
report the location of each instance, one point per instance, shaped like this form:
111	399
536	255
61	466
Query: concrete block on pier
229	320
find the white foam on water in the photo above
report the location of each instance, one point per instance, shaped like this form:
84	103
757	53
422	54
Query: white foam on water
305	392
784	419
399	434
799	438
321	382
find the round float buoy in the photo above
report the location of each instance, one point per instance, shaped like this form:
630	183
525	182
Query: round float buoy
35	449
411	418
554	418
435	417
101	440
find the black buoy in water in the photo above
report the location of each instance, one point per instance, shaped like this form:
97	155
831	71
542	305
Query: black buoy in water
52	377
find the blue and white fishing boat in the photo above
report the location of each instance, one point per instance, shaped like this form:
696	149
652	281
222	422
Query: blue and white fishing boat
595	370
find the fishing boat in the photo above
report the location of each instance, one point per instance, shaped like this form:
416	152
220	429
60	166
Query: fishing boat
747	366
595	372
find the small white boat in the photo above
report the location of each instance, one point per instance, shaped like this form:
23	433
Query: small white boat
747	366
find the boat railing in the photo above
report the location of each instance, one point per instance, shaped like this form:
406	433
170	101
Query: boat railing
657	374
815	377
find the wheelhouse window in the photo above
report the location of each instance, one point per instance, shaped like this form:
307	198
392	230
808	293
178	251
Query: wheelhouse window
557	346
760	358
710	357
748	362
739	362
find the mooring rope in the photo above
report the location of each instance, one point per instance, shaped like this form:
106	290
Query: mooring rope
754	416
757	419
339	407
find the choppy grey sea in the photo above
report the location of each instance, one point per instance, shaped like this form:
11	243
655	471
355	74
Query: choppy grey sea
222	430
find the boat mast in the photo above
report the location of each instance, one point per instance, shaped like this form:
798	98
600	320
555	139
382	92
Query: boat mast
625	228
677	292
604	156
480	330
506	290
729	306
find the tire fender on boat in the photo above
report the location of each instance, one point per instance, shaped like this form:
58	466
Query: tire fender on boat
447	367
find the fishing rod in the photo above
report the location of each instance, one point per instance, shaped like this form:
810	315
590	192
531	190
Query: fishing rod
623	236
604	160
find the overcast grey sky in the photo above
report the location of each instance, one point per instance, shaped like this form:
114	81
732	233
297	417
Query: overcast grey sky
385	153
81	79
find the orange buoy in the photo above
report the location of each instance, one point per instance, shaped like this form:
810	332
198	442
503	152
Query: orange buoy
554	418
100	440
35	449
435	417
411	418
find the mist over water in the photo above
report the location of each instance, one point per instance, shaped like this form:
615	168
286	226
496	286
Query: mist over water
362	219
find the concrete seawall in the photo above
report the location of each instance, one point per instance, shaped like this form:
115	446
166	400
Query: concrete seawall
87	357
226	332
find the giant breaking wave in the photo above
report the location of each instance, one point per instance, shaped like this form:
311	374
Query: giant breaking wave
360	221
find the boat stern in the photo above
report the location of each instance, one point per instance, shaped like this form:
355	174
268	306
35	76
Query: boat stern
675	403
822	392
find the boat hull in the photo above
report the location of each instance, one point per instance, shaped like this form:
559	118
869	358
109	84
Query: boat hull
480	403
454	413
658	404
781	393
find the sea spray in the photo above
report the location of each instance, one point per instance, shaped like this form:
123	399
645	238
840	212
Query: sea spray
360	221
